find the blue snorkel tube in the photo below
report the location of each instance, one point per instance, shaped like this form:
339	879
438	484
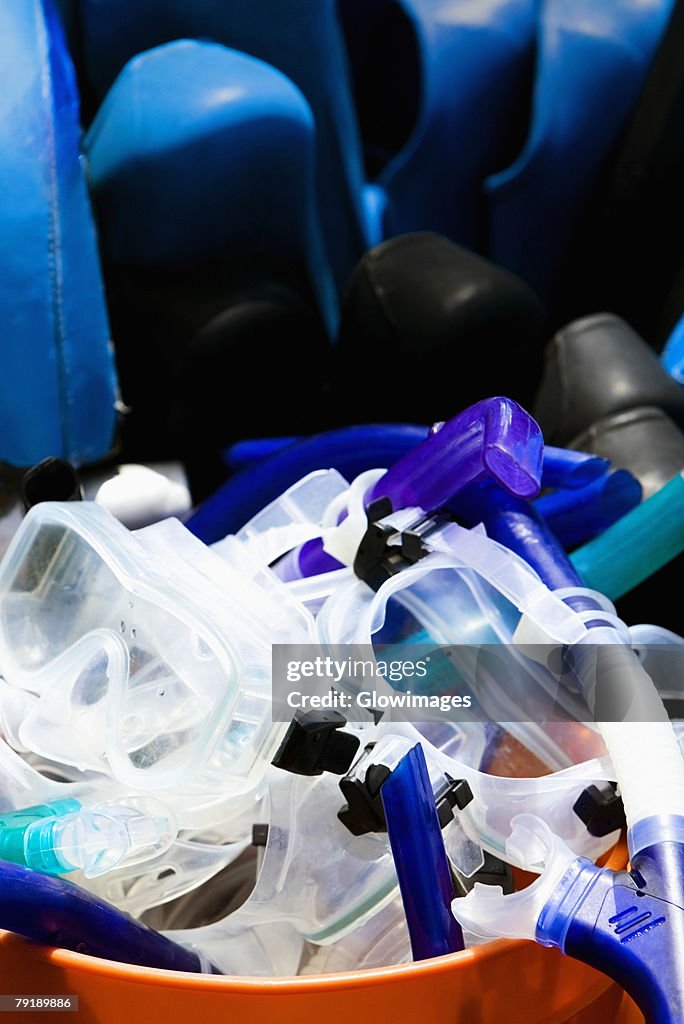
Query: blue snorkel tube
630	925
56	912
415	836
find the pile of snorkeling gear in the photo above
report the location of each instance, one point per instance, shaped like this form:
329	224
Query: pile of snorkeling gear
145	740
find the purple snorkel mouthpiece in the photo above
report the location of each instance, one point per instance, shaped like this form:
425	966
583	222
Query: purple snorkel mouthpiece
493	439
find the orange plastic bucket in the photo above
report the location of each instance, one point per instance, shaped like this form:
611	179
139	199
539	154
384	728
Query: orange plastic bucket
515	982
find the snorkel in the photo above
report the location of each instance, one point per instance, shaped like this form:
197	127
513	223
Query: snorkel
628	924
